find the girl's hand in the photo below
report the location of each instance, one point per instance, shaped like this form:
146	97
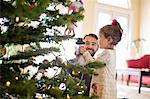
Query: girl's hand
96	88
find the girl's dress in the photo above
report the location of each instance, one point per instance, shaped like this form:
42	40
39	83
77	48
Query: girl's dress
106	75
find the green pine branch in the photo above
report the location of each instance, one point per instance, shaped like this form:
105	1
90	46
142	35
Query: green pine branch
21	35
28	54
95	64
24	9
15	64
57	38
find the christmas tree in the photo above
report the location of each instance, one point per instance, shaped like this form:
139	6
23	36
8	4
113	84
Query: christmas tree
25	26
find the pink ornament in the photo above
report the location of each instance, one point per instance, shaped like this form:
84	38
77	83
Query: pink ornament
76	6
70	29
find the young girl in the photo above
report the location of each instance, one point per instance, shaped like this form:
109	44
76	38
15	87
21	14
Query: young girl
104	84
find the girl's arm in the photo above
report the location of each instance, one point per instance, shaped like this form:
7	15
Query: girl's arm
87	56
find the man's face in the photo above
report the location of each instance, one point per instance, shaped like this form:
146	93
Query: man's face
91	44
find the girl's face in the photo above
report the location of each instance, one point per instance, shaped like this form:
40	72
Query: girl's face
104	42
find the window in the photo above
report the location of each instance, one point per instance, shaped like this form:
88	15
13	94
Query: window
104	15
118	3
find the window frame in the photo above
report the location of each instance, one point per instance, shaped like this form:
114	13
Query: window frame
128	4
114	12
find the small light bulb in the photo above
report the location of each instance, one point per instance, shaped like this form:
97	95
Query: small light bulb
79	93
8	83
17	19
73	72
16	78
39	97
78	84
68	97
65	63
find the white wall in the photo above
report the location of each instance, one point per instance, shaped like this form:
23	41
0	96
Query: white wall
145	26
88	22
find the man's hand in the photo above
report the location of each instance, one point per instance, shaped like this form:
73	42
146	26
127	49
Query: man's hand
82	49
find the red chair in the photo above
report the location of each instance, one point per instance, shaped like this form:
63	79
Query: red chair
142	63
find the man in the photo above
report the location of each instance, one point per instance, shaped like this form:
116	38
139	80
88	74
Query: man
91	44
90	47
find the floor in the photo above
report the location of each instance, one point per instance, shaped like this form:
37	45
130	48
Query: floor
131	91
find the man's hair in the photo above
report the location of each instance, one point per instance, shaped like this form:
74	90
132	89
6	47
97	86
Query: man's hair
92	35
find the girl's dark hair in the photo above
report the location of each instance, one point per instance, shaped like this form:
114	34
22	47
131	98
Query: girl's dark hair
114	30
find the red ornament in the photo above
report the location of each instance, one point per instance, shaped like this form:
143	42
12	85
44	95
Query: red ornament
95	87
4	51
32	4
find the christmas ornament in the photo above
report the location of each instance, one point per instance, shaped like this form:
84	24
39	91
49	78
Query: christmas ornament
43	18
51	7
34	24
76	6
70	29
32	4
4	23
80	57
80	41
39	76
62	9
3	50
52	72
4	29
75	72
62	86
45	61
95	87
